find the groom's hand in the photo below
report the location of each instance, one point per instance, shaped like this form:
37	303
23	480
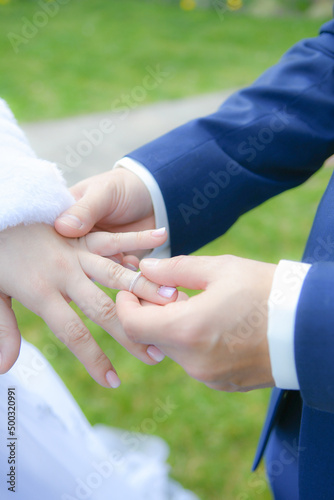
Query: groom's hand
116	201
220	335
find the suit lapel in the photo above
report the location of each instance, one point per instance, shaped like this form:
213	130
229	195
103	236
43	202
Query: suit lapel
276	406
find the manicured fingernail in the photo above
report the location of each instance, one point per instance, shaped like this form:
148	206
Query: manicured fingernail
131	267
159	232
71	220
155	353
166	291
115	260
113	379
150	262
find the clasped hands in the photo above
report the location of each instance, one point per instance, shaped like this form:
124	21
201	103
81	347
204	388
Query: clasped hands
218	336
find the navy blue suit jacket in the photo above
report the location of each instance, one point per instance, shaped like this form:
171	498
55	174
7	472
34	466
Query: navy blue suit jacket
263	140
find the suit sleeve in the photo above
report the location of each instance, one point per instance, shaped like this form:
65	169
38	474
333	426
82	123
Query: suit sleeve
263	140
314	337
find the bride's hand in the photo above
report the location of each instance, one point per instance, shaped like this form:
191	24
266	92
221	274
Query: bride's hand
45	271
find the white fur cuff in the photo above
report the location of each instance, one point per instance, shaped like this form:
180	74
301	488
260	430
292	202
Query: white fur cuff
31	191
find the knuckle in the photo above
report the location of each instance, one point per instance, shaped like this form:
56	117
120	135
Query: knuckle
115	239
144	285
197	372
100	309
177	262
39	292
230	387
115	273
204	373
76	333
106	310
210	376
129	330
189	336
84	208
99	360
227	260
220	386
141	239
38	285
139	236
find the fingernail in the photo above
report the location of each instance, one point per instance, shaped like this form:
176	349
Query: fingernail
115	260
150	262
131	267
155	353
166	291
71	220
113	379
159	232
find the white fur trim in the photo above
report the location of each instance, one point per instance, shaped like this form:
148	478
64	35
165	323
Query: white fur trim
31	190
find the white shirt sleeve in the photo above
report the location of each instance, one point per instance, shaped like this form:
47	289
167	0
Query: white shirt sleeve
31	190
282	305
159	207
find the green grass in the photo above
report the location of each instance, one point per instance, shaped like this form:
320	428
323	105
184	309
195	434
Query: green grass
88	55
91	53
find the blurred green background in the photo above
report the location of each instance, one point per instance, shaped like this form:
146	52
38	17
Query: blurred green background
80	61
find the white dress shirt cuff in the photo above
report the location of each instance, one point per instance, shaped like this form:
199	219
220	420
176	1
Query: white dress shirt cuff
159	207
282	305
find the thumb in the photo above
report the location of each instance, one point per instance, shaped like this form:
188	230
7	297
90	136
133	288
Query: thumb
10	338
193	272
79	219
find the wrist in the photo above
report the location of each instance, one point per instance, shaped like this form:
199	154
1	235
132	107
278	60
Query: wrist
255	325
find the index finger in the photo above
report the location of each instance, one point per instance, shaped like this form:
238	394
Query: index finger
105	244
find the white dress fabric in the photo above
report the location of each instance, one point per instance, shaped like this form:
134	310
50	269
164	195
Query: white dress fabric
54	452
60	456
